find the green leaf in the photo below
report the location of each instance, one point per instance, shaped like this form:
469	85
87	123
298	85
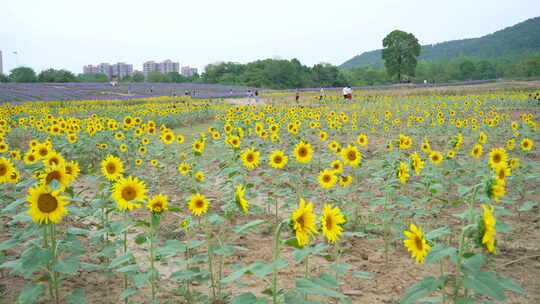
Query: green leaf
32	259
121	259
339	268
13	206
128	268
68	266
245	298
8	243
226	250
31	293
126	293
171	248
260	269
91	267
363	275
421	289
507	283
354	234
438	252
308	286
244	228
293	242
438	233
527	206
326	280
300	254
194	244
77	297
487	284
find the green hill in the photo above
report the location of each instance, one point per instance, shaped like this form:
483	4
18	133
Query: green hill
518	40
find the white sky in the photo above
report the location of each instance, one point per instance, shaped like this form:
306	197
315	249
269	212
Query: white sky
71	33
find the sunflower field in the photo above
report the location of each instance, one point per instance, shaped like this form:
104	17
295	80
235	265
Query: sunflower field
385	199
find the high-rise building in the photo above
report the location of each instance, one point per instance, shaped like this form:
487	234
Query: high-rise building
166	66
1	64
188	71
118	70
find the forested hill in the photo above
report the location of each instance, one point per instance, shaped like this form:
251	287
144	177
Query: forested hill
520	39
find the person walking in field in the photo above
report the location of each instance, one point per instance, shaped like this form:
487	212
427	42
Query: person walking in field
256	96
349	93
321	94
344	92
297	95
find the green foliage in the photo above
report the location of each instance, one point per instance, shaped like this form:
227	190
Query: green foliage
52	75
3	78
399	53
519	40
92	78
22	74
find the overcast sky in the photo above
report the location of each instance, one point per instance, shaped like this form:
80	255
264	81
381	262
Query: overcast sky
71	33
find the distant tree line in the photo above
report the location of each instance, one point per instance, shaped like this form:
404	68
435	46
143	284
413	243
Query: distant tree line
286	74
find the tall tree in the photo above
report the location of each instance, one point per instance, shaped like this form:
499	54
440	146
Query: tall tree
22	74
399	53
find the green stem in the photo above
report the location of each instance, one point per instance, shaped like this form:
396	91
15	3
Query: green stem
153	257
276	257
306	274
458	262
125	251
49	268
54	273
210	261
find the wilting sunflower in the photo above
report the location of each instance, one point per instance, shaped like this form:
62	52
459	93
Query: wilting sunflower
345	180
416	163
158	203
46	205
488	227
435	157
403	172
184	168
303	152
278	159
416	243
331	221
199	176
112	167
526	144
497	157
250	158
197	204
351	156
303	221
362	140
327	178
477	151
126	190
57	173
241	202
5	169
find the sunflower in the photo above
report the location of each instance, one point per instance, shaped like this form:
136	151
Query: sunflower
197	204
158	203
327	178
477	151
497	157
198	146
303	152
43	150
15	154
511	144
112	167
482	138
362	140
514	163
5	169
451	154
345	180
488	227
526	144
123	148
199	176
425	146
435	157
46	205
153	162
502	172
57	173
250	158
241	202
416	163
303	221
180	139
14	177
496	189
234	141
416	243
138	162
126	190
30	158
351	156
323	136
72	170
167	138
278	159
184	168
337	166
53	159
403	172
333	145
331	221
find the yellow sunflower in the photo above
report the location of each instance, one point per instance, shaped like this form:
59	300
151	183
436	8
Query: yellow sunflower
54	159
502	172
303	220
351	156
435	157
337	166
331	223
158	203
303	152
417	163
250	158
278	159
488	221
527	144
497	157
345	180
184	168
57	173
30	158
72	170
128	193
327	178
403	172
362	140
241	202
477	151
197	204
199	176
112	167
46	205
198	146
416	243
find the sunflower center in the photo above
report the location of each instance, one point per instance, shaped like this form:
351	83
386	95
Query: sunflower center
525	144
111	168
329	223
47	203
129	193
278	159
302	152
502	174
199	203
3	169
54	161
351	155
300	220
326	178
53	175
497	158
43	152
250	157
418	243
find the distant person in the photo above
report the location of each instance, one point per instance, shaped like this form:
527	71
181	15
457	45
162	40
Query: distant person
344	92
151	90
349	93
321	94
230	93
248	95
297	95
256	96
173	94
